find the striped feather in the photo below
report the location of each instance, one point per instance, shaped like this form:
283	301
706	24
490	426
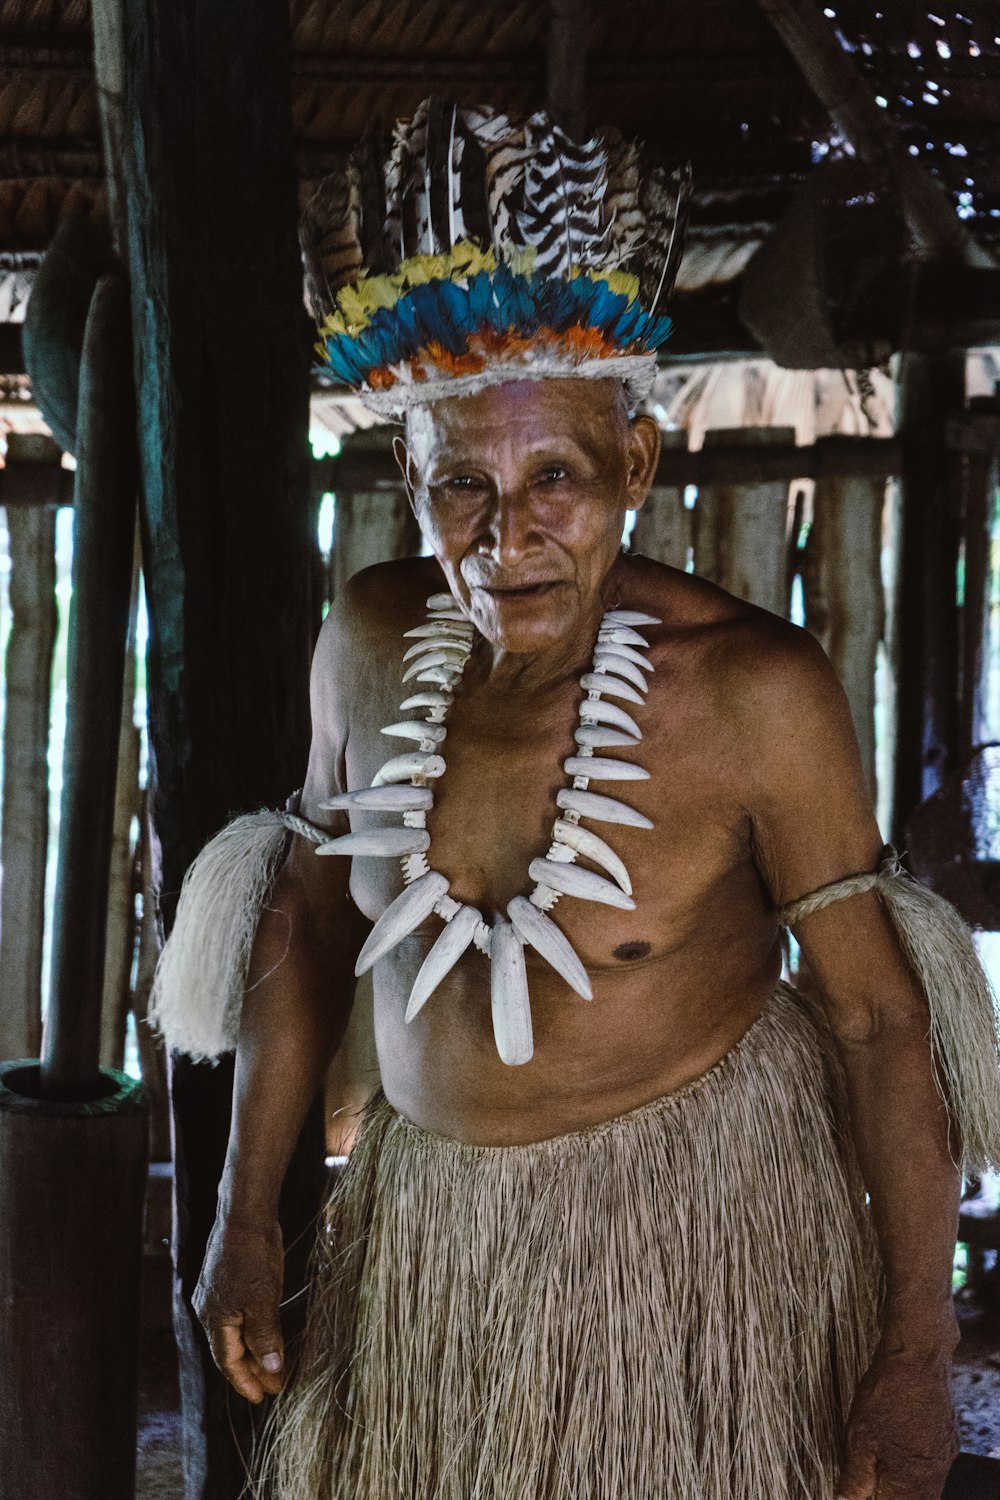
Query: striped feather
665	199
469	163
623	214
444	175
330	236
369	158
415	185
564	188
503	146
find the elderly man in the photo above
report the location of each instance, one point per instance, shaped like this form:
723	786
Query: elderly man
605	1232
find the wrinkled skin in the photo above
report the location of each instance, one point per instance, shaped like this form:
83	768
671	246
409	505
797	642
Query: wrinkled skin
757	795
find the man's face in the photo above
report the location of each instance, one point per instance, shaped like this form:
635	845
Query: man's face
521	492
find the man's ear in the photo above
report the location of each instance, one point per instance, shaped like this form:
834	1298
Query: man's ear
643	457
404	459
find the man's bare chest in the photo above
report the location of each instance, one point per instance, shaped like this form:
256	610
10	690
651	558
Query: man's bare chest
497	805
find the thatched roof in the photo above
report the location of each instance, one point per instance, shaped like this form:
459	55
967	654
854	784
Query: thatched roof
710	81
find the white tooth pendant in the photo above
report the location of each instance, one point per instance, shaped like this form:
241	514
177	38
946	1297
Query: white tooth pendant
443	957
509	1000
442	601
434	628
416	729
401	917
394	798
599	769
445	676
597	711
629	617
570	880
459	649
381	841
601	809
436	658
602	737
534	927
414	763
594	848
603	682
604	661
431	698
622	636
628	652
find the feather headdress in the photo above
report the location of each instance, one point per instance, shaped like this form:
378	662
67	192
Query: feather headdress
480	249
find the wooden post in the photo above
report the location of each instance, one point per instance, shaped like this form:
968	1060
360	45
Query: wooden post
932	387
103	531
370	527
741	529
980	478
25	838
72	1184
227	536
842	585
663	528
152	1055
121	926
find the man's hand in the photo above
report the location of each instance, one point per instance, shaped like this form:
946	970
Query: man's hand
902	1435
237	1302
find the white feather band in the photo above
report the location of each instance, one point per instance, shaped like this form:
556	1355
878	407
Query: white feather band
636	371
198	987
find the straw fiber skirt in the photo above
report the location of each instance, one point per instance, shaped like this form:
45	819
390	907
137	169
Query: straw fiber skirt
676	1304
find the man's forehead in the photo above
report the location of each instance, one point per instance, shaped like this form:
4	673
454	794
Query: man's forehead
539	409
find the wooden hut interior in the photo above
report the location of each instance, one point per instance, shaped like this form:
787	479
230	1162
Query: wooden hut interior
830	451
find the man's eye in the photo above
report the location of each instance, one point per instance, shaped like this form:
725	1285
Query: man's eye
462	482
552	473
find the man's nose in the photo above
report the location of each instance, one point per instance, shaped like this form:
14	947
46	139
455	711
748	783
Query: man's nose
511	528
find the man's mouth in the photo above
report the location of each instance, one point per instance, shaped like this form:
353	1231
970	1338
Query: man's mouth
510	594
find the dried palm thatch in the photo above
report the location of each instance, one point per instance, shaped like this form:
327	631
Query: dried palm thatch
677	1302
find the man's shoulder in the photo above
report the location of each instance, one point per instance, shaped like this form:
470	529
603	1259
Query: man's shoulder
378	603
362	633
764	669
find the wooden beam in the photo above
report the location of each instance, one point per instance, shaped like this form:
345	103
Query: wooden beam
931	390
11	350
842	587
663	527
108	21
120	943
726	460
870	130
979	479
26	774
740	526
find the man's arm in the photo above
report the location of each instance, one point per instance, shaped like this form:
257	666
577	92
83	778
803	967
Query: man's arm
296	1007
812	824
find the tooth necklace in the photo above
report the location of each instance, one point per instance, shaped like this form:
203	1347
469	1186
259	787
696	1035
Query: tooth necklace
437	658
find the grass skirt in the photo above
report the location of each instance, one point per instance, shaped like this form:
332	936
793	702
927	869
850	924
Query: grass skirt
677	1303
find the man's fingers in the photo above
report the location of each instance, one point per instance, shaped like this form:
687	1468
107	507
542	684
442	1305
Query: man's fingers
857	1476
262	1336
234	1360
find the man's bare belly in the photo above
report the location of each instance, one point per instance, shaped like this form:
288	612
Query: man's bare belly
649	1029
676	982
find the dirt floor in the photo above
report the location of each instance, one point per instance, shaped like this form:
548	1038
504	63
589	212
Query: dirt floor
976	1381
160	1474
976	1387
